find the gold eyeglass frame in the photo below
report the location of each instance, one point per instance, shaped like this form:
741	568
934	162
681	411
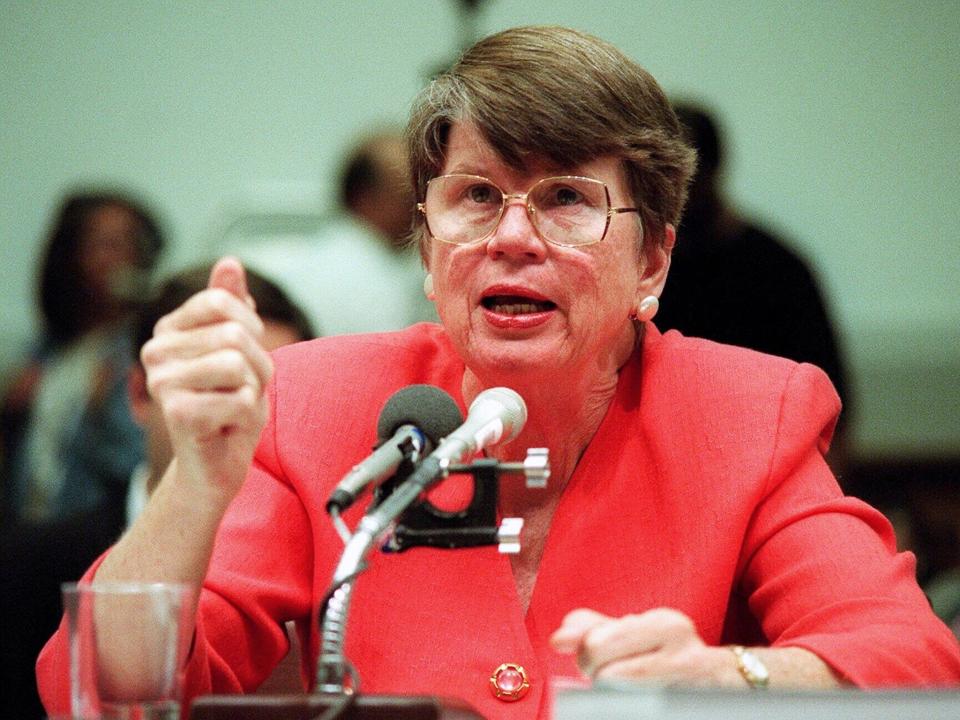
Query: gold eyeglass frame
531	210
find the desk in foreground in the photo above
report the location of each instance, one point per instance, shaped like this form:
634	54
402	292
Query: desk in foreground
632	702
308	707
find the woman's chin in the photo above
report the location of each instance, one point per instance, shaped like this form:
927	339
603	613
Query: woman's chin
539	357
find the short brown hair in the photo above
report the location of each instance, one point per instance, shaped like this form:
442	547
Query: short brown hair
565	96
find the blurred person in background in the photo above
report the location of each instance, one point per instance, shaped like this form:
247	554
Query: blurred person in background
35	558
68	439
360	273
284	323
736	283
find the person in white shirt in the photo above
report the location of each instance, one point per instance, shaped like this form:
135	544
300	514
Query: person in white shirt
359	273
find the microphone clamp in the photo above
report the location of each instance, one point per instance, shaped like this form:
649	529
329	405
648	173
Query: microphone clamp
423	524
535	468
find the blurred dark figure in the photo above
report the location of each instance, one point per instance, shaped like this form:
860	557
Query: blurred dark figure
68	440
938	523
733	282
35	558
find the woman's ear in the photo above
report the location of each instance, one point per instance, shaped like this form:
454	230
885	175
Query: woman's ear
656	263
423	246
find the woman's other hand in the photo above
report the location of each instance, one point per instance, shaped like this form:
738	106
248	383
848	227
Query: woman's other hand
663	646
207	369
660	645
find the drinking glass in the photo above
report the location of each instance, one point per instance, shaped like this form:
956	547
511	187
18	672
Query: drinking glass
128	646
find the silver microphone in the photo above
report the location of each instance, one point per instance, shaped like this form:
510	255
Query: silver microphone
496	415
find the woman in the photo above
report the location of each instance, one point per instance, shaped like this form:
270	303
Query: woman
68	437
689	505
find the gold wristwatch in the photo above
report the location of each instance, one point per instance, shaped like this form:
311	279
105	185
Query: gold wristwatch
751	667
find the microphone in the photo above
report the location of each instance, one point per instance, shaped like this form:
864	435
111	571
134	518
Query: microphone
412	421
496	415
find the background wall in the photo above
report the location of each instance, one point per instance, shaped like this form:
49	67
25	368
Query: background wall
843	125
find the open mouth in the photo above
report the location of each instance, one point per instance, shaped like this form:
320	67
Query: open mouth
516	305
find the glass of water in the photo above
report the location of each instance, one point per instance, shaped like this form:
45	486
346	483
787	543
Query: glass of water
128	647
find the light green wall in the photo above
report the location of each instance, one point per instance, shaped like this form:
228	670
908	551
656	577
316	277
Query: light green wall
842	121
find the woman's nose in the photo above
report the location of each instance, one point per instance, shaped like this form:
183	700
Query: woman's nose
516	236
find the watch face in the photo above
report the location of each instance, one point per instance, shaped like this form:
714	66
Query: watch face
751	667
756	668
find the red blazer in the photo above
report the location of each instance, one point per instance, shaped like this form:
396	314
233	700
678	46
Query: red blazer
704	489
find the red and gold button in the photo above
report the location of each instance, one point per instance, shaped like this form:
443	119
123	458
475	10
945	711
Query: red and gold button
509	682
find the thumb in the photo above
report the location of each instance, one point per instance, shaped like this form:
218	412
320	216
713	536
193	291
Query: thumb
228	274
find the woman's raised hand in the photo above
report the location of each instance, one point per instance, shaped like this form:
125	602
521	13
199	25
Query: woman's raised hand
207	369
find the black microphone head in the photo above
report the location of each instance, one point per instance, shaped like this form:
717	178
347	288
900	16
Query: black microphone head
424	406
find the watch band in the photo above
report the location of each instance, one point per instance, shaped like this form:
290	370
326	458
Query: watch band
751	667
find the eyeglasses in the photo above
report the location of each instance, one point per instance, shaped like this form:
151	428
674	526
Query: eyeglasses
568	211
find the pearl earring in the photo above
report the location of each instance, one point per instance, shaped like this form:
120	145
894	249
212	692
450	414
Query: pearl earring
428	287
647	308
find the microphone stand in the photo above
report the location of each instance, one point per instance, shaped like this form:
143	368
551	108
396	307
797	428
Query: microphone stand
417	524
331	663
472	527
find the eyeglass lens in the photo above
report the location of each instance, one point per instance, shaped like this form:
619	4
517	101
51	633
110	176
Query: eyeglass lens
564	210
